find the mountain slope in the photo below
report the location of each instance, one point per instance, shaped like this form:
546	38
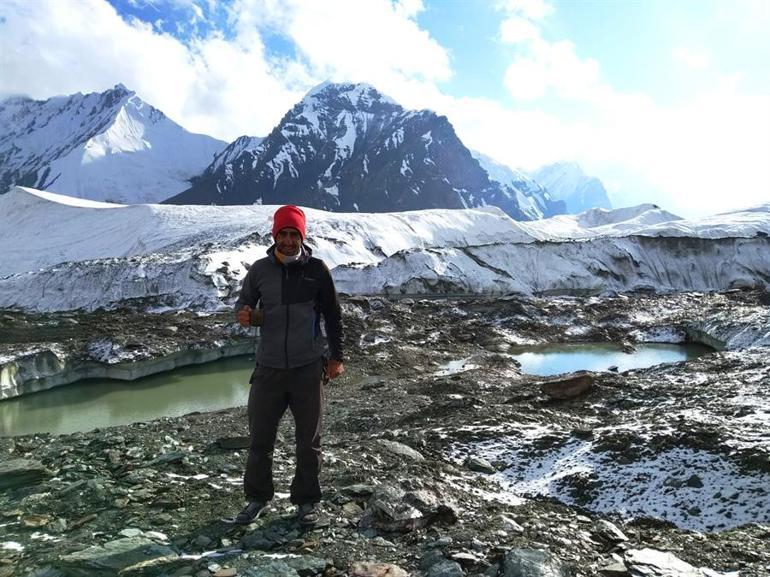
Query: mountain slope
346	147
531	198
100	146
567	182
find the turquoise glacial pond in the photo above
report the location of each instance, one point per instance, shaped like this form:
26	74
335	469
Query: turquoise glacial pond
548	360
96	403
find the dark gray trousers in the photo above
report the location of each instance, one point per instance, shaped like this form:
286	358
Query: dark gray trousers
272	391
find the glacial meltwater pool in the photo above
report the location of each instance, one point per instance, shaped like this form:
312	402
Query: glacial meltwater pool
93	403
545	360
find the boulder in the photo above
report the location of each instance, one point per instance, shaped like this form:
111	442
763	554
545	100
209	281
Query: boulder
445	568
307	565
359	490
617	569
119	556
21	472
171	457
609	531
392	509
568	386
430	558
401	450
533	563
653	563
386	510
480	465
372	569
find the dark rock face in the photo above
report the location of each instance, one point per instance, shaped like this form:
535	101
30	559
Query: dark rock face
347	148
234	443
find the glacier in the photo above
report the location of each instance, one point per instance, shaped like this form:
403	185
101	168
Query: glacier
101	254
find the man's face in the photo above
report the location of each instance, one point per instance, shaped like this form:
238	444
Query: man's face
288	241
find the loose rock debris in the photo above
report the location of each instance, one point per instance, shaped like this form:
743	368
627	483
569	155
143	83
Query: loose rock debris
473	471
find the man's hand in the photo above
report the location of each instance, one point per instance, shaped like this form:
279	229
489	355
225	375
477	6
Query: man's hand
335	368
244	316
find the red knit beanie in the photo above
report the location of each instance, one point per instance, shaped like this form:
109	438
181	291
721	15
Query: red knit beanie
289	216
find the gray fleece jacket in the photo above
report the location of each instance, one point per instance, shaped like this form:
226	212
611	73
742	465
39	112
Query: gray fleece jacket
293	297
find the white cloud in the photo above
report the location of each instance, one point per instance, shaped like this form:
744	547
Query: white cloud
519	138
409	8
703	156
692	58
376	41
223	87
518	31
198	13
530	9
552	66
540	66
707	156
214	86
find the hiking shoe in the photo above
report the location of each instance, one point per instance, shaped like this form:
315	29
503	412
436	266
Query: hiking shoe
250	513
307	514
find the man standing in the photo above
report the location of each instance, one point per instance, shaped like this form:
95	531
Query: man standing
293	289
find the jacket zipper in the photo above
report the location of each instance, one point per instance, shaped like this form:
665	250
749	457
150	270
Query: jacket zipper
286	328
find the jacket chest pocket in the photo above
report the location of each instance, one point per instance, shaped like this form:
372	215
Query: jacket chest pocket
305	290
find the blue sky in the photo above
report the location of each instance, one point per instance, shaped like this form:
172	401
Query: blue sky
665	101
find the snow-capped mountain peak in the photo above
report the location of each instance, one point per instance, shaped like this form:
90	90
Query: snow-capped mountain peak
236	148
532	199
567	182
52	128
361	95
103	146
126	133
347	147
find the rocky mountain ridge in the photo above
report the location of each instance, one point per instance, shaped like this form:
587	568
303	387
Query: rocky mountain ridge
348	148
113	146
100	146
532	199
566	182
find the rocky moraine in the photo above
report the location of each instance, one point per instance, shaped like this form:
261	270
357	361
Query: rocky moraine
442	458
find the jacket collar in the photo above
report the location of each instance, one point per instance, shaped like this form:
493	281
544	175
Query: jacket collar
302	260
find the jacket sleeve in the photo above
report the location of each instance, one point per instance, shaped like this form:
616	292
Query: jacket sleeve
330	308
249	294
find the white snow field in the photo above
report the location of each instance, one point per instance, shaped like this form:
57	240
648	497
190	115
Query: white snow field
62	253
108	146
